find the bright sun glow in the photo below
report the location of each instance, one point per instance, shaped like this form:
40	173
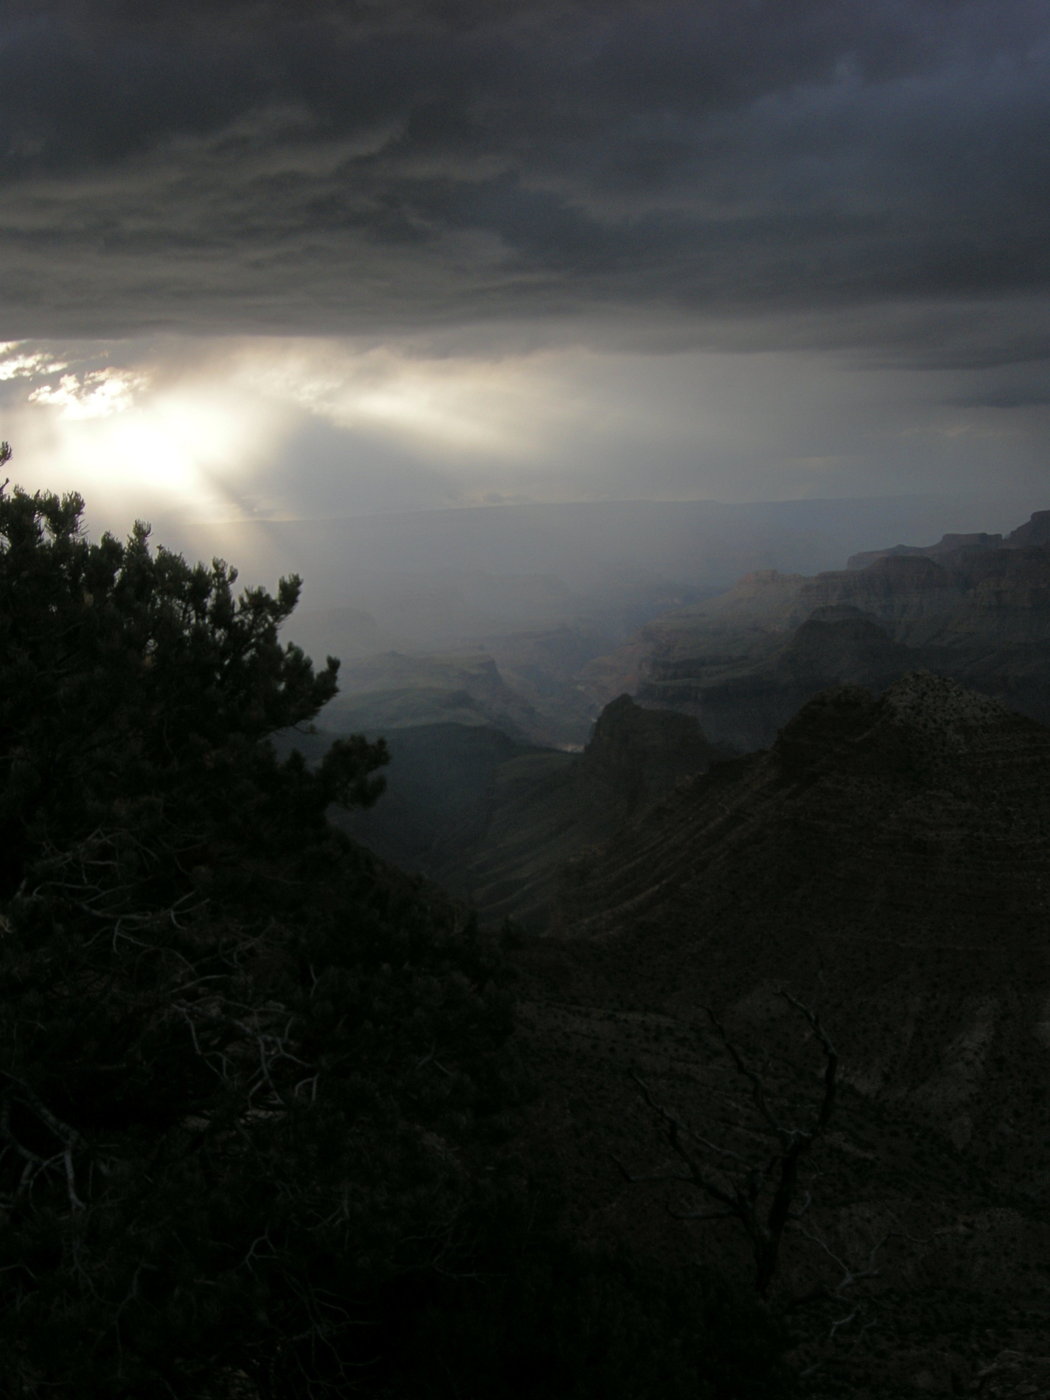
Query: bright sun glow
119	435
207	429
197	437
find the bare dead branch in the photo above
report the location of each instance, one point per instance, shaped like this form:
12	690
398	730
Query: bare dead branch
758	1090
35	1163
762	1196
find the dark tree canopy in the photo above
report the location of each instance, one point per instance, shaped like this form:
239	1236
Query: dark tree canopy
129	678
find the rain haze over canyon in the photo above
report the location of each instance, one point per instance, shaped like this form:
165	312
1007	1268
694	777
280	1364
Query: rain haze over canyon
652	397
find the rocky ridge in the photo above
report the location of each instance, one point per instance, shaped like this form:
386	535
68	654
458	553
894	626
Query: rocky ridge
900	844
493	820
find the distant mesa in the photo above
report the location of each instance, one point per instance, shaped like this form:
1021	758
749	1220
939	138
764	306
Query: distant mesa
1035	533
947	544
975	607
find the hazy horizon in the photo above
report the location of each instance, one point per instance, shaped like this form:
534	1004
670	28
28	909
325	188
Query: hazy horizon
361	260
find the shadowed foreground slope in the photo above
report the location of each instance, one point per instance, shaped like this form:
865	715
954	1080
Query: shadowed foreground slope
887	862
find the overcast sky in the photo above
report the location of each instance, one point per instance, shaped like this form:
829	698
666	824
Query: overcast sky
292	260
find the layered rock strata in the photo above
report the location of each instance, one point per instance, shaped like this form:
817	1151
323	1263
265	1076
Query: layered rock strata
973	607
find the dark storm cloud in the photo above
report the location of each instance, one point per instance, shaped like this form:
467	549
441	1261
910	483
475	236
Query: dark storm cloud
373	168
